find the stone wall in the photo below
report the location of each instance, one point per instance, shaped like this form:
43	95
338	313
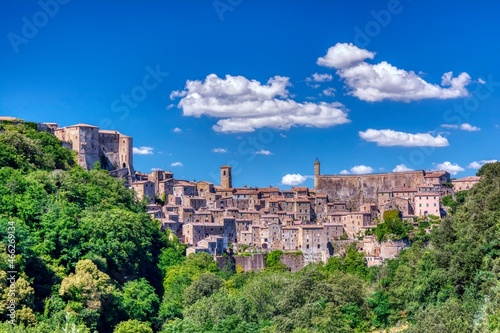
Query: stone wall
358	189
293	260
255	262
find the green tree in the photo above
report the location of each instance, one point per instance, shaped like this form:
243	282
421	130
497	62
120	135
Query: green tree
204	286
132	326
139	300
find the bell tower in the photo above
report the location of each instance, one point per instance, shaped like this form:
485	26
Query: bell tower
317	172
225	177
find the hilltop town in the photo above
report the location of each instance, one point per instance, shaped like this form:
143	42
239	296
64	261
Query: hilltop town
315	221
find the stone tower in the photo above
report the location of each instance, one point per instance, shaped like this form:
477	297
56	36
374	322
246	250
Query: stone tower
317	172
225	177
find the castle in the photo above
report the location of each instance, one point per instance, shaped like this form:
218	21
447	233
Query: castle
112	149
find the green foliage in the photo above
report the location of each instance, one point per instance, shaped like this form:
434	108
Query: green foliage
24	148
392	227
132	326
139	300
204	286
273	261
353	263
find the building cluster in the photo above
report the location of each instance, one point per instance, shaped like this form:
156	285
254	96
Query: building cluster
210	217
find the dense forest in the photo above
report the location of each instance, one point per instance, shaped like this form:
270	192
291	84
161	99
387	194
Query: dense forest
86	257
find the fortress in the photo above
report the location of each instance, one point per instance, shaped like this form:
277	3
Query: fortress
112	149
356	190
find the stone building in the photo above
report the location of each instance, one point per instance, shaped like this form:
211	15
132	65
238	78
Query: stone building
427	204
464	184
144	189
112	149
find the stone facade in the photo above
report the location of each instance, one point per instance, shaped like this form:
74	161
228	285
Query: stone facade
111	149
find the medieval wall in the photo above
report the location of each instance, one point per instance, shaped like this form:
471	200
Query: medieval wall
358	189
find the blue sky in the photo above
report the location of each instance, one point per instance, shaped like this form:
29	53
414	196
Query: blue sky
264	86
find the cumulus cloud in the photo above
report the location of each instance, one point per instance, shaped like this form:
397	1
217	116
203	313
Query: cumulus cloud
388	137
294	179
320	78
143	150
479	164
244	105
176	164
345	172
401	168
361	169
263	152
344	55
463	127
177	130
383	81
452	168
219	150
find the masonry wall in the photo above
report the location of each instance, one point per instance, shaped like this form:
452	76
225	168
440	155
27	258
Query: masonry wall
254	263
359	189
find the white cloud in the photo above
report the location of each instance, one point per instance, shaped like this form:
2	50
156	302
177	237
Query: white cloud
143	150
329	92
469	127
263	152
388	137
361	169
176	164
245	105
177	130
320	78
294	179
345	172
343	55
401	168
481	81
219	150
377	82
479	164
463	127
452	168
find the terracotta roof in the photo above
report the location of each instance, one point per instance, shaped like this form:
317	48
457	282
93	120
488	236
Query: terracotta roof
427	194
405	189
299	189
246	191
434	174
311	226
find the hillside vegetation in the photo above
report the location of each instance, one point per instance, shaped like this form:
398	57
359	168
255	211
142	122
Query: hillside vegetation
88	258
